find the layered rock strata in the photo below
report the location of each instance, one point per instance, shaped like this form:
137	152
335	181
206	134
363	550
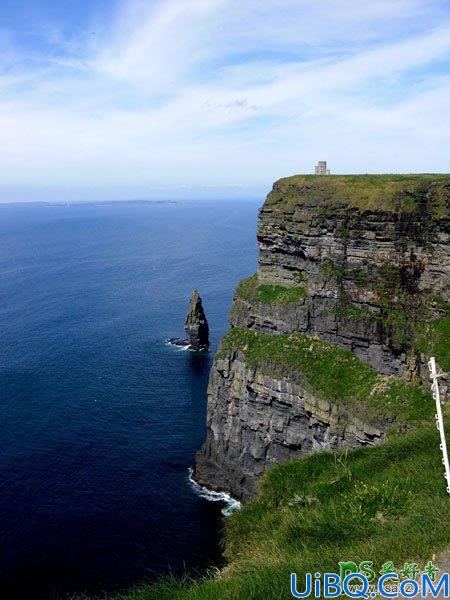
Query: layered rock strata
370	273
256	420
361	262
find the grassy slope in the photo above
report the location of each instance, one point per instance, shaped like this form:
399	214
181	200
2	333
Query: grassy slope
383	503
384	192
251	290
435	341
331	372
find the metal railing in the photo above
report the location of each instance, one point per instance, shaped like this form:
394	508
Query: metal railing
439	419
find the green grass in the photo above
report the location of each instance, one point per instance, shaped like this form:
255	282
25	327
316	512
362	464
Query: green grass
382	503
251	290
331	372
393	193
436	341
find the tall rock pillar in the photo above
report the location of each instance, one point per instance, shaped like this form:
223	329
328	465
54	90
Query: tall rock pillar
196	325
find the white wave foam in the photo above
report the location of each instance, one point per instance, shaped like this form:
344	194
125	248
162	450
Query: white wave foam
231	504
178	346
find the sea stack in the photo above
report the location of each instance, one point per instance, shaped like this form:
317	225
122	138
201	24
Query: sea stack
196	325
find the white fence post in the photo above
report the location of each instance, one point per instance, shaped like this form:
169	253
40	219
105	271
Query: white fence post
439	419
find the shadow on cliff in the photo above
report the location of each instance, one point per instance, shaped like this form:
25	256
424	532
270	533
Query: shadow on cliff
200	363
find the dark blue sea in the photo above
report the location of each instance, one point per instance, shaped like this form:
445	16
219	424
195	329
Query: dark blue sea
99	418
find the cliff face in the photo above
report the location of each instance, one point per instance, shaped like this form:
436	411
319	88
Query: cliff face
369	273
256	420
360	262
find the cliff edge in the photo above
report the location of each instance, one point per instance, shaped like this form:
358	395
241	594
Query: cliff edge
329	339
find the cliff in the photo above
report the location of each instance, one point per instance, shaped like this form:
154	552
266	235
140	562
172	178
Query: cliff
329	340
386	503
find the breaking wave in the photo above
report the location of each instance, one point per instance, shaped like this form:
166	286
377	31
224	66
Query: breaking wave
181	347
231	504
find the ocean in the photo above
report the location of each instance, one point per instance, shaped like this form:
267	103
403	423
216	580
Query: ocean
99	418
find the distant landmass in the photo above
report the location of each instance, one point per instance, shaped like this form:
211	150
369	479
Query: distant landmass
89	203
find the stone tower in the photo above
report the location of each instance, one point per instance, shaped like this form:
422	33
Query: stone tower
321	168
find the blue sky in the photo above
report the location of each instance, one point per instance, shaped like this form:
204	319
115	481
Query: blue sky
105	99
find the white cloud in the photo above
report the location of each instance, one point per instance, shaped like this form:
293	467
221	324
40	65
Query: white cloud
219	93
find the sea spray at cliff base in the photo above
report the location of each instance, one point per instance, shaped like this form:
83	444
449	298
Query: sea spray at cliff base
231	504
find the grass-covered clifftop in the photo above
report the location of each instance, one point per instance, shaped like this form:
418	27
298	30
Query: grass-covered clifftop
386	503
391	193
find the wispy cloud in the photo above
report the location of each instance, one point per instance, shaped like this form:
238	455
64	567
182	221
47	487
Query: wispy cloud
214	92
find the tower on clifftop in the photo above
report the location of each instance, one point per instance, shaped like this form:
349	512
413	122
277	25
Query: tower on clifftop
321	168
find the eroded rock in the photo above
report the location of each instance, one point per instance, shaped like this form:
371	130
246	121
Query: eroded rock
196	325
